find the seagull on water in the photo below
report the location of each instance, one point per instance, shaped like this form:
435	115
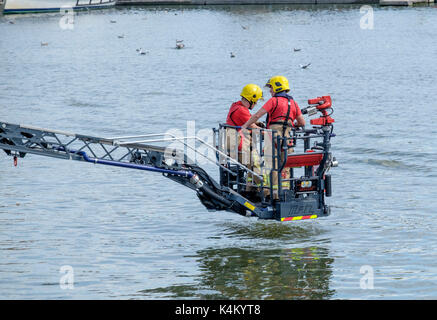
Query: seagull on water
232	55
305	66
297	49
142	52
179	44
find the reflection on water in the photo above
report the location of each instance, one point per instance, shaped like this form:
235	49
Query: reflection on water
270	230
243	273
271	262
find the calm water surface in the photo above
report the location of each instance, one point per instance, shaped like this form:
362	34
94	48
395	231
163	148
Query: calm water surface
131	235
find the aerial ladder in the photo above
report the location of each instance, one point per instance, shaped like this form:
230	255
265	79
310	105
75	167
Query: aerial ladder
303	198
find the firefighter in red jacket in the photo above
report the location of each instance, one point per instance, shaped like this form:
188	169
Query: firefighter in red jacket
283	113
239	114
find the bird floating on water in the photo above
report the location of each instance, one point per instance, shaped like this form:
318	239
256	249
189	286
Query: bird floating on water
232	55
121	36
43	44
305	66
142	52
113	21
179	44
297	49
244	27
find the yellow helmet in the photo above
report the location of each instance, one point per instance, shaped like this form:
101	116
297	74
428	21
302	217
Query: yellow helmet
252	93
278	83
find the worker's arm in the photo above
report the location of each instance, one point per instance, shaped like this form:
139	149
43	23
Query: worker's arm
254	118
300	121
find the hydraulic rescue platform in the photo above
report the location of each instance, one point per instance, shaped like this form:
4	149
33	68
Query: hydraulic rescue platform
245	185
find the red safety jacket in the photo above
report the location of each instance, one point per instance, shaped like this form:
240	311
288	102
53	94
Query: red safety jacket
237	116
277	108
